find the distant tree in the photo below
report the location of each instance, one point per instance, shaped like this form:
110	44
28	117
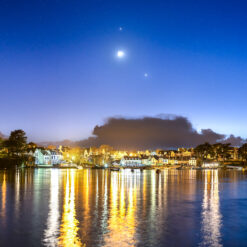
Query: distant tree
203	151
16	143
32	144
1	142
2	153
221	151
98	159
243	152
225	151
73	155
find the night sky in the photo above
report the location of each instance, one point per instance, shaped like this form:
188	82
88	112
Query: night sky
60	75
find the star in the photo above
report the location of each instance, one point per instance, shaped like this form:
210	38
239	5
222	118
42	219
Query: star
120	29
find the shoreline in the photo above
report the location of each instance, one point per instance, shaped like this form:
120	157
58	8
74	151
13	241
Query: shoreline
131	168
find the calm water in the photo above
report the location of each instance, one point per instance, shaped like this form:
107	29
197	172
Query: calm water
52	207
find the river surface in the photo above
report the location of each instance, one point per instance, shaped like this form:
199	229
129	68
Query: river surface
67	207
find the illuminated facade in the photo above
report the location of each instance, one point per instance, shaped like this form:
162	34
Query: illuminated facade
47	157
131	161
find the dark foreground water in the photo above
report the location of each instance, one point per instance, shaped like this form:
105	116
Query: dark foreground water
52	207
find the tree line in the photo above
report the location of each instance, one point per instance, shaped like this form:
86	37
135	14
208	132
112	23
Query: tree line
13	149
219	151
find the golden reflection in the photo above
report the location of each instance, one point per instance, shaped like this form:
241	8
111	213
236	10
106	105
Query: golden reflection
86	192
4	193
97	191
69	227
105	201
211	217
122	221
52	231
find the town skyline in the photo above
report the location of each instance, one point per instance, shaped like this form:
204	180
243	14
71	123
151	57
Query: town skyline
16	151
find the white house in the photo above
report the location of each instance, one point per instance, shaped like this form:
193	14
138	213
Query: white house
192	161
153	160
131	161
208	164
47	157
172	161
163	160
145	160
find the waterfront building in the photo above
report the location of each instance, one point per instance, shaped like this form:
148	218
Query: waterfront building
233	153
192	161
131	161
154	160
47	157
163	160
172	153
172	161
145	160
56	157
210	164
42	157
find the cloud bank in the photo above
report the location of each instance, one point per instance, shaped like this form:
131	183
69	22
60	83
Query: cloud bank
152	133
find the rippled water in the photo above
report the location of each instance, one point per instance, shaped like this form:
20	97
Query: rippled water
52	207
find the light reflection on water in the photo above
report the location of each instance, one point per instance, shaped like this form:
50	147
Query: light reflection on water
17	193
3	198
121	223
211	216
52	207
50	234
69	227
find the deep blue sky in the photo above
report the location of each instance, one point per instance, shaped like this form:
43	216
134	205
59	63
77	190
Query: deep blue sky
60	77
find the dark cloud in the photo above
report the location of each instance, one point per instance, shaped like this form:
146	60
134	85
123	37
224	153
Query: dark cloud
152	133
235	141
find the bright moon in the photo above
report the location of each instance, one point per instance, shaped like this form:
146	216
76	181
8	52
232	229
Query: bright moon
120	54
146	74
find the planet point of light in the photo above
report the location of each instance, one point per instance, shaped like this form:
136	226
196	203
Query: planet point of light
120	53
